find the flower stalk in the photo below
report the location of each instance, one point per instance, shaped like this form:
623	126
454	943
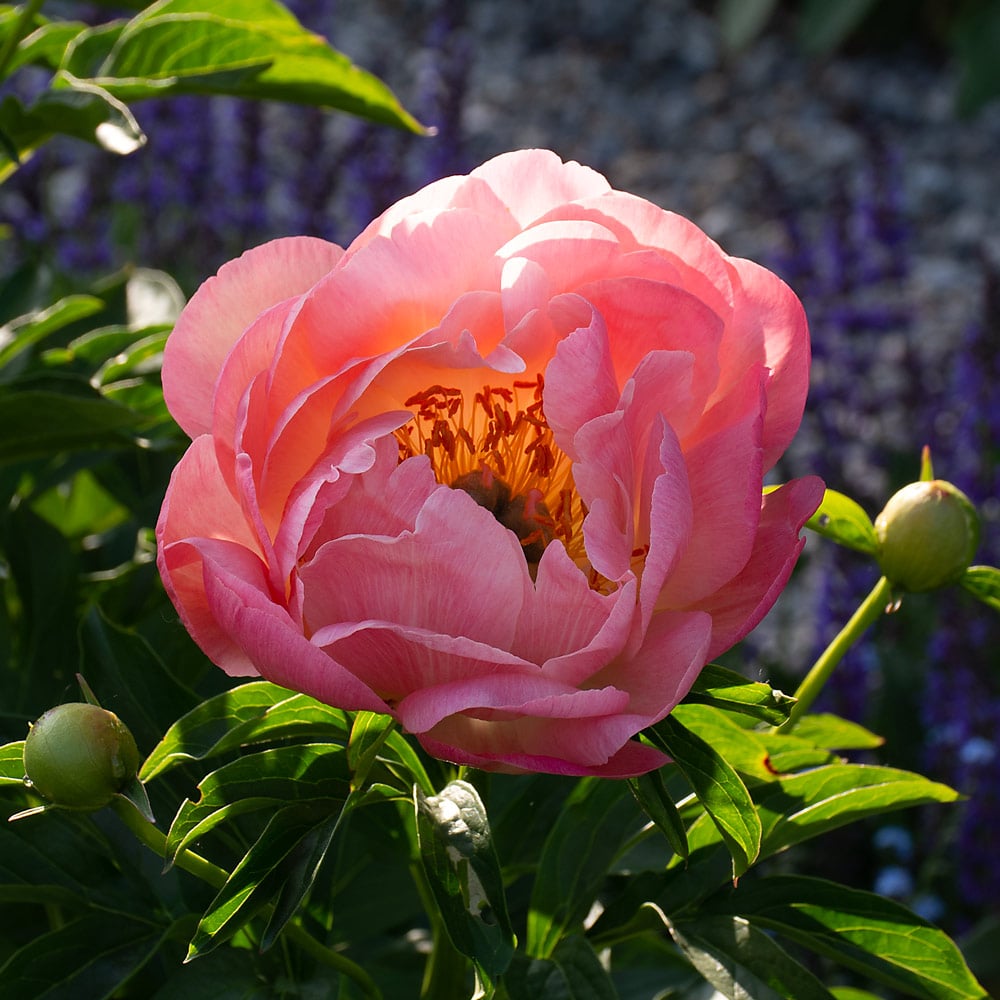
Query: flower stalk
869	611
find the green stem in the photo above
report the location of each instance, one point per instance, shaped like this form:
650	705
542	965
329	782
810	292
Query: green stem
20	32
872	607
444	974
217	877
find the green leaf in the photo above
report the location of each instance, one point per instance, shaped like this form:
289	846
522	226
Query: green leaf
595	822
842	520
39	423
369	731
463	870
399	757
249	48
728	690
741	961
718	787
572	972
261	873
92	956
976	39
802	806
876	936
12	764
983	582
257	712
745	749
652	795
268	779
834	733
26	331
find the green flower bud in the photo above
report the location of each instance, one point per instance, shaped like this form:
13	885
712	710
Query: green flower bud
79	756
928	533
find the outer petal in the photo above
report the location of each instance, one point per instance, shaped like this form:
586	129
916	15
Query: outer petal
739	606
223	308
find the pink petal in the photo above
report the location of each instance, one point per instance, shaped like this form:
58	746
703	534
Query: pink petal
458	573
724	476
530	182
496	695
223	308
739	606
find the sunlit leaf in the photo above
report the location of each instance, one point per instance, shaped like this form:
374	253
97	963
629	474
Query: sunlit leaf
26	331
12	764
651	793
743	748
834	733
717	785
250	48
728	690
253	713
844	521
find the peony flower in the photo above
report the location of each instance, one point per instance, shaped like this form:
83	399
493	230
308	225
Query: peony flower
495	469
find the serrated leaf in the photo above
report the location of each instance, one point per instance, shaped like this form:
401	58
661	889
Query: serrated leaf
260	873
742	962
91	956
719	789
732	692
253	713
456	849
866	932
249	48
595	821
651	793
268	779
983	582
842	520
572	972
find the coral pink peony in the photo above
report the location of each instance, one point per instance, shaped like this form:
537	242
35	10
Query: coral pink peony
495	469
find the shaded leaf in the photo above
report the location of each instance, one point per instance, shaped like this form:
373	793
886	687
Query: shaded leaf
844	521
651	793
728	690
718	787
456	849
823	26
368	732
260	874
25	331
268	779
742	962
91	956
596	820
572	972
741	21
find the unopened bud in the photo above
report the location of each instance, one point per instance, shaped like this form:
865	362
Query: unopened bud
80	756
928	533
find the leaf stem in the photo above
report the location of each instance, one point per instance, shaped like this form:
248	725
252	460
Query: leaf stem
217	877
871	608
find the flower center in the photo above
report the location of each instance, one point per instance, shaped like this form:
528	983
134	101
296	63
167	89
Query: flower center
500	450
